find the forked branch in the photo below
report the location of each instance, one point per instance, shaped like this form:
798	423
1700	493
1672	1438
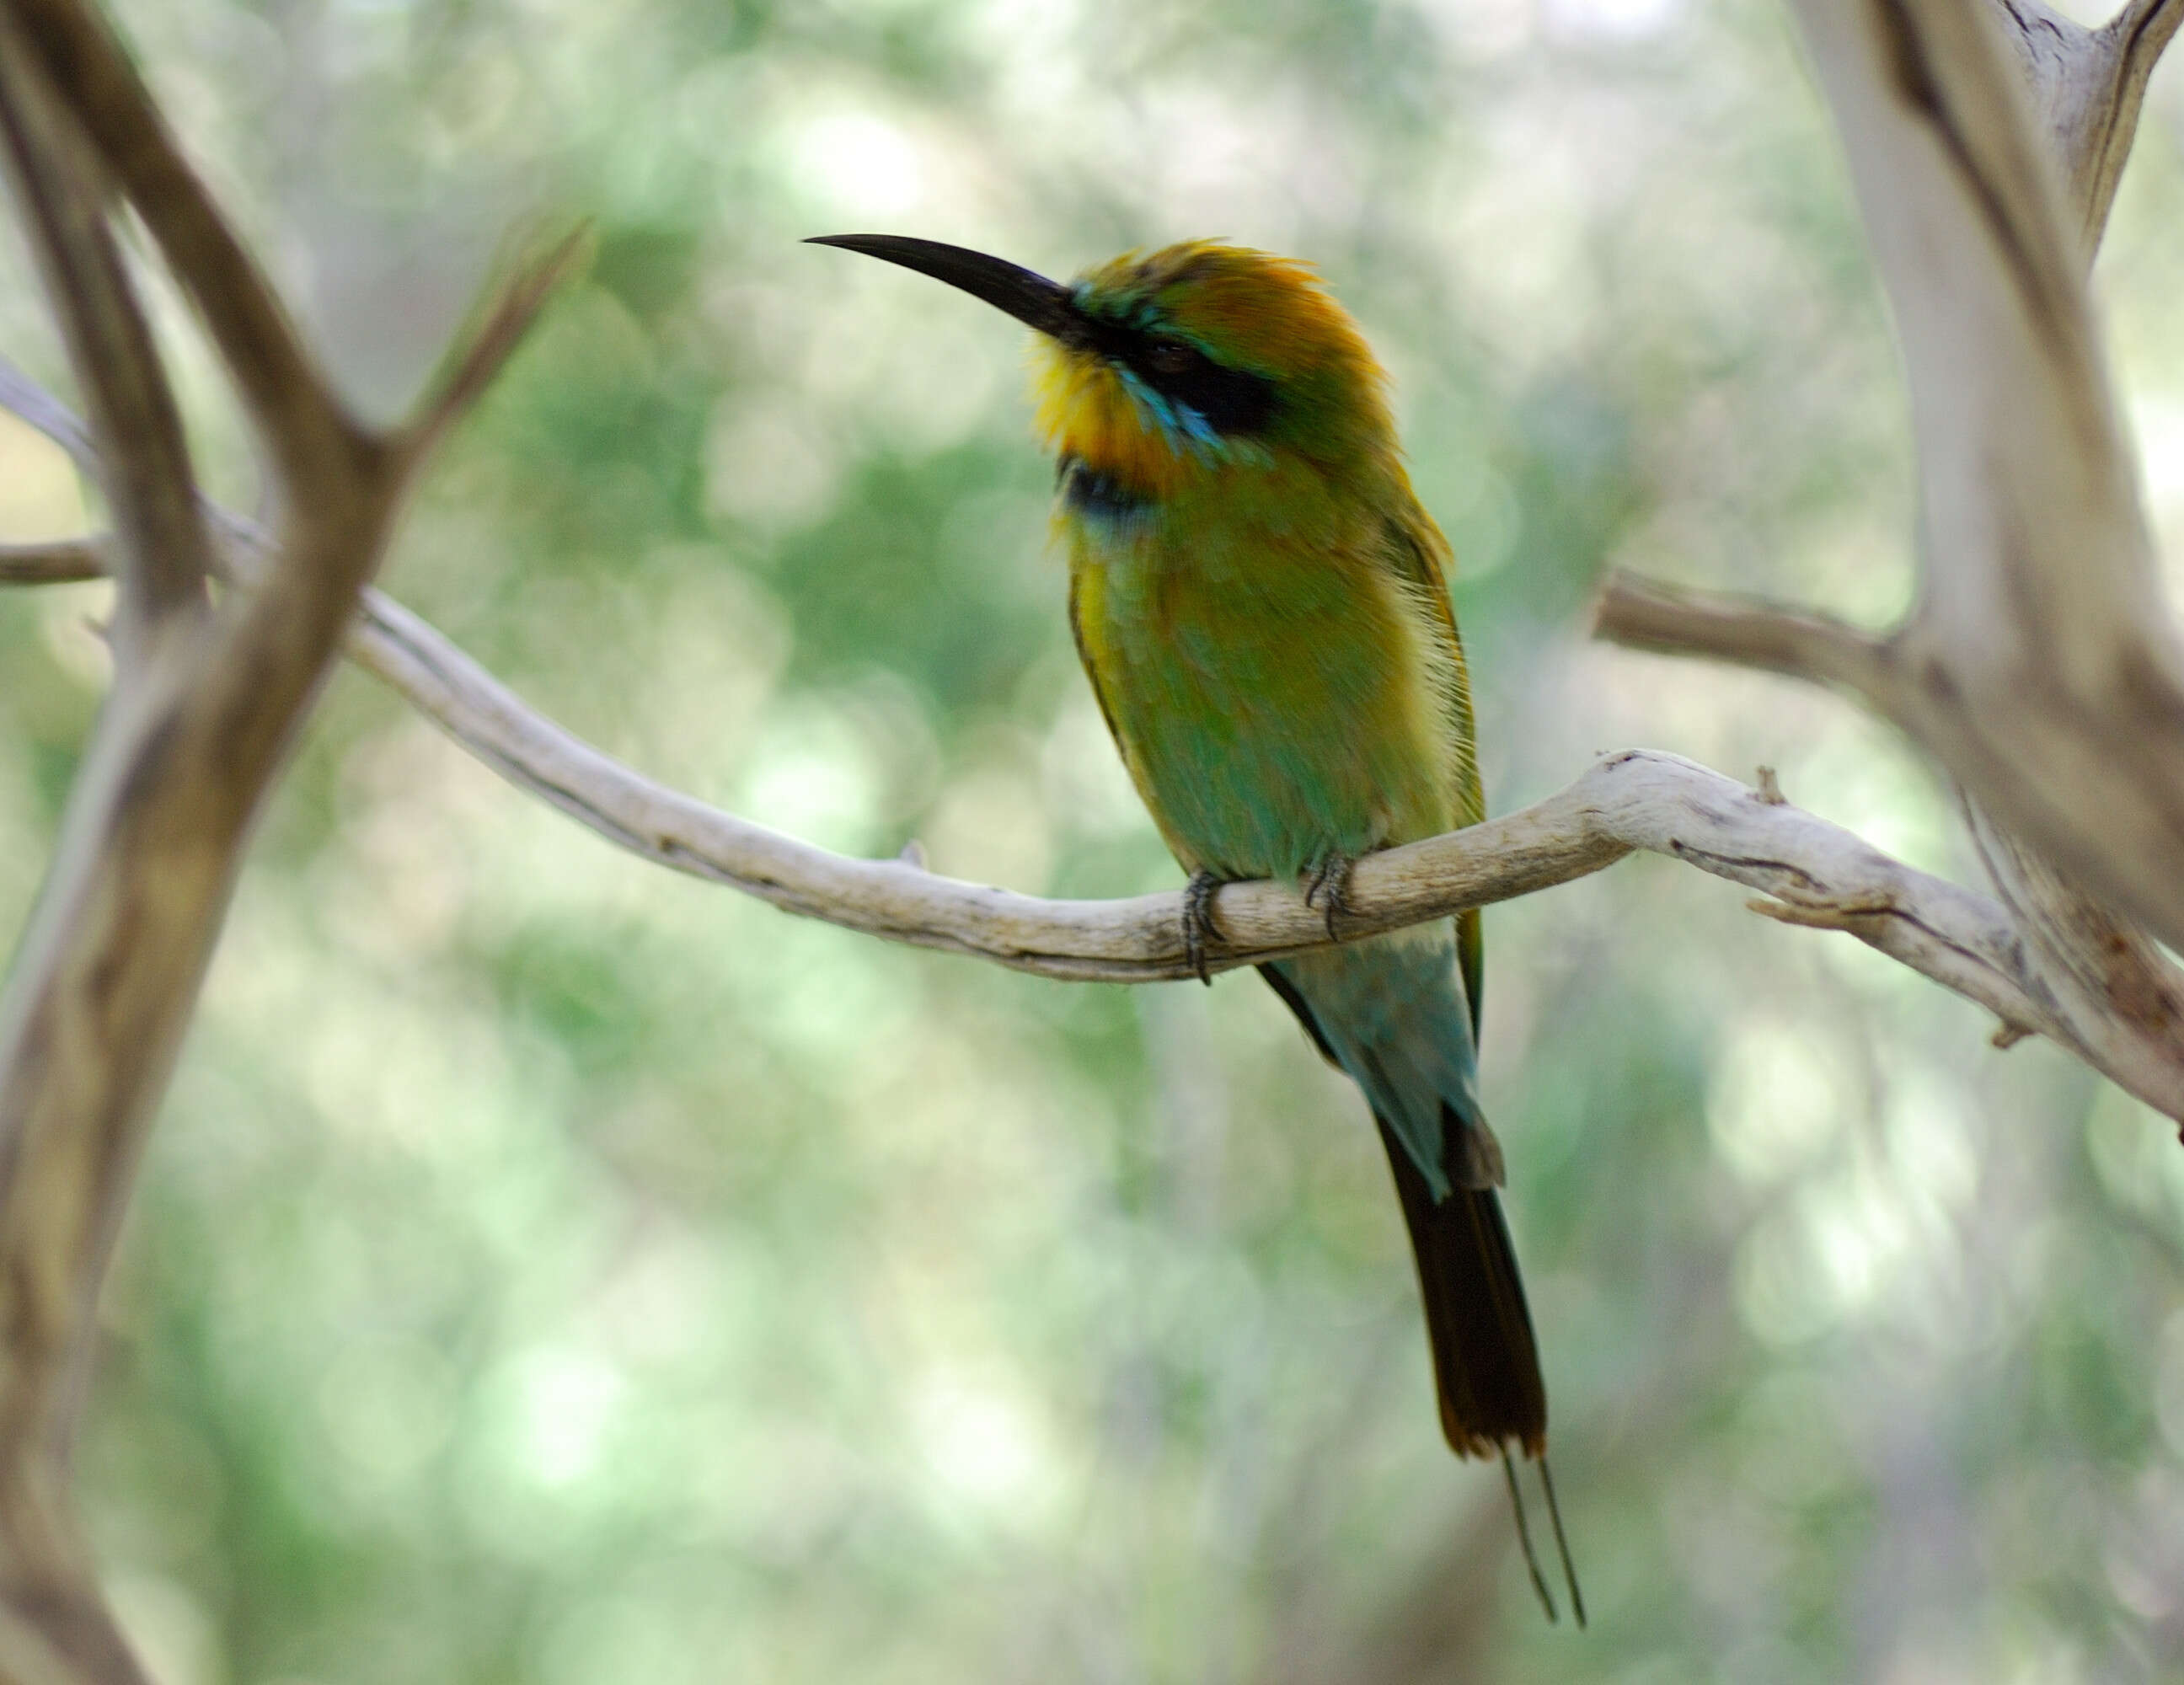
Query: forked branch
206	699
2040	669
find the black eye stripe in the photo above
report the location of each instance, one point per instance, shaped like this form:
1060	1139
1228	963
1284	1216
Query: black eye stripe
1235	403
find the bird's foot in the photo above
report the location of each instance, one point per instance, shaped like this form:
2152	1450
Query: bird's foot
1198	922
1328	886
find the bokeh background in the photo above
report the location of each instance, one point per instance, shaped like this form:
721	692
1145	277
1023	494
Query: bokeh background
551	1270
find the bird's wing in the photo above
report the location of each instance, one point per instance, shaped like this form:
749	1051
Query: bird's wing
1093	659
1416	548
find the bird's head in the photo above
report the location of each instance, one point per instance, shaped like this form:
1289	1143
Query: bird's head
1170	370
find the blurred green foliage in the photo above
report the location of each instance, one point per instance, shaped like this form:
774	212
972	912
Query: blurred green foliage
550	1270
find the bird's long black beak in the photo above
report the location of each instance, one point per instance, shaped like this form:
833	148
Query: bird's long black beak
1031	298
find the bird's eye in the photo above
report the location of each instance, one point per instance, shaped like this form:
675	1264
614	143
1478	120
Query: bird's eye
1170	357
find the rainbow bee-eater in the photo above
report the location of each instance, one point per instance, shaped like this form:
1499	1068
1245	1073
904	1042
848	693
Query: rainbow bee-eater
1261	604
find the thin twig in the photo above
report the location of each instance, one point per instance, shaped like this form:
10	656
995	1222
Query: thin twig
1749	631
514	307
25	399
58	562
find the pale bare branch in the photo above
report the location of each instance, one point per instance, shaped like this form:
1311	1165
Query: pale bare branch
1813	872
2108	980
2088	86
2041	668
1635	800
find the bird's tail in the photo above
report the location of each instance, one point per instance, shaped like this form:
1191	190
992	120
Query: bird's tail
1486	1364
1411	1047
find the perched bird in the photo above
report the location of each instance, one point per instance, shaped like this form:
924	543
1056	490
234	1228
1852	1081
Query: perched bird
1259	601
